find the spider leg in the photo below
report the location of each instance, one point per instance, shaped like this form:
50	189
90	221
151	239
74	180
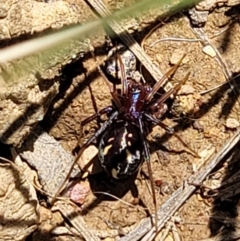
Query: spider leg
165	96
170	130
105	110
164	78
97	115
104	126
112	90
147	159
123	76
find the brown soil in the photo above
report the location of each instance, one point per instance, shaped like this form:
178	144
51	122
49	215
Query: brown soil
202	126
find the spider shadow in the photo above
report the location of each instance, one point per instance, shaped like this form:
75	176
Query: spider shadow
232	93
68	90
223	220
233	14
106	188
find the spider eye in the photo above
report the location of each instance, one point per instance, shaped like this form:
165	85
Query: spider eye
135	89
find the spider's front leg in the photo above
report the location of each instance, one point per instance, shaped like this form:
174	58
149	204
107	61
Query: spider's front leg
159	107
163	80
106	110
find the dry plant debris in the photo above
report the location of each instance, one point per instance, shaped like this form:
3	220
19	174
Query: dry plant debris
18	202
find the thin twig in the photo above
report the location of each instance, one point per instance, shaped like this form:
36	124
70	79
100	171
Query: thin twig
219	86
175	39
115	197
76	220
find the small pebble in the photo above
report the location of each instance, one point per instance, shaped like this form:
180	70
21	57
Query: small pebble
232	123
79	192
177	219
190	228
86	157
209	50
109	239
169	238
186	90
198	125
113	65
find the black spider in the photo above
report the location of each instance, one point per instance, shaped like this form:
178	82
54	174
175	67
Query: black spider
123	146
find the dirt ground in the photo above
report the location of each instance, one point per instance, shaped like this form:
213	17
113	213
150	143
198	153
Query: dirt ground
204	121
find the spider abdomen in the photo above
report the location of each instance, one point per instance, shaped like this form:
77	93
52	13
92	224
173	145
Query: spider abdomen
120	150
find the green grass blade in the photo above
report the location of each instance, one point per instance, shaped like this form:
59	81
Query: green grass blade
39	54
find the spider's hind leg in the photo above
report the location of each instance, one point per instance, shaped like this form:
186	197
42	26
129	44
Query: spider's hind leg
104	126
146	156
106	110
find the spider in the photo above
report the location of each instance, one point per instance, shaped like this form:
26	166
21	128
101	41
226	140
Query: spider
123	146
